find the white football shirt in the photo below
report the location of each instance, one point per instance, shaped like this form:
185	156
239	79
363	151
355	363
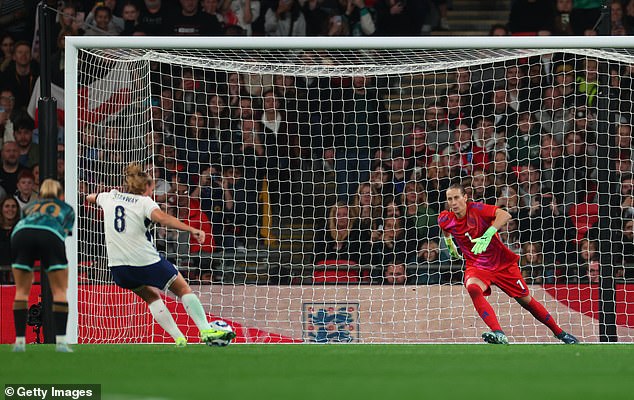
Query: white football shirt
126	220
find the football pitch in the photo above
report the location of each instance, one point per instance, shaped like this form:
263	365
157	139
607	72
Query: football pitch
333	371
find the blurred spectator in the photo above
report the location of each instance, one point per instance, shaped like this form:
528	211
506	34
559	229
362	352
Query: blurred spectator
105	20
241	13
57	59
588	259
509	200
416	150
7	45
551	165
529	182
341	240
212	7
436	183
400	17
6	127
400	170
523	141
482	189
11	167
161	186
456	113
361	18
429	255
485	135
565	84
9	217
617	19
25	194
500	29
551	115
562	25
285	18
502	173
194	146
395	273
7	101
103	23
392	246
532	264
131	14
191	21
367	206
21	75
471	155
23	134
154	17
337	26
436	128
381	180
579	167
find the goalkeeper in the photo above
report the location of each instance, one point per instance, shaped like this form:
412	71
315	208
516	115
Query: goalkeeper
489	262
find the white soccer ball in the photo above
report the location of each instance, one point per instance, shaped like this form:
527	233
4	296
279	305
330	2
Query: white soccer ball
223	326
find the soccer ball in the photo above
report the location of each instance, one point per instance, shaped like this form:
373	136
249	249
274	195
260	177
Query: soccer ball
223	326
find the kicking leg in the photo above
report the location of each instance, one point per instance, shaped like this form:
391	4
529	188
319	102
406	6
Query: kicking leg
161	314
542	315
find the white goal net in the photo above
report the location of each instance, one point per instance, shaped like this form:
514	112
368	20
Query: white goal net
318	174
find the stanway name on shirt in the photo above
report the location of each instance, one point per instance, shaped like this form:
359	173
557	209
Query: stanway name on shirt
124	197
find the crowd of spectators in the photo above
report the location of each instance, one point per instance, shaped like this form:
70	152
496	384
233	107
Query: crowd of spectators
522	134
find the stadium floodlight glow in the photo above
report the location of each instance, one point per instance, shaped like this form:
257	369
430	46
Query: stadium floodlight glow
120	91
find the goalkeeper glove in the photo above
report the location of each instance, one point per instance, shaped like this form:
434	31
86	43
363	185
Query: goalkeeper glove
483	241
451	246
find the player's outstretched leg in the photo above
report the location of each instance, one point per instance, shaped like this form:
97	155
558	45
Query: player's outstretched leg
567	338
495	337
543	316
164	318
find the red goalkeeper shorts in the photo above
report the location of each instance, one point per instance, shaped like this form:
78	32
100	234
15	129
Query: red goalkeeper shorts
508	278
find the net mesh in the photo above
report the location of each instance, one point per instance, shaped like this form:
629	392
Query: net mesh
319	176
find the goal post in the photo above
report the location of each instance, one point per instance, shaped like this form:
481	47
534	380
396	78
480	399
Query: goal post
270	274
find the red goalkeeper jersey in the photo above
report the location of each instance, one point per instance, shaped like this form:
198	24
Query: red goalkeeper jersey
473	225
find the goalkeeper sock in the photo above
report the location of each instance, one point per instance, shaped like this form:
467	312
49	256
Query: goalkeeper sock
20	309
482	306
543	316
195	311
60	316
162	315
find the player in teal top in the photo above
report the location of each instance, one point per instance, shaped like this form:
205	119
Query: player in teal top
40	236
50	214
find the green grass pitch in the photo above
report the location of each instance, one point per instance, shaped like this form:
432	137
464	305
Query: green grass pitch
333	371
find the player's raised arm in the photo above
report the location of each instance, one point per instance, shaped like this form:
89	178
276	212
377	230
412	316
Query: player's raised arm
165	219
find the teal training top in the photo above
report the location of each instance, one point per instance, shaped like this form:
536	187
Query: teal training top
52	215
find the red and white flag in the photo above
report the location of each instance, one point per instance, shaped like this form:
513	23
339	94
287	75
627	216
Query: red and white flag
104	98
56	92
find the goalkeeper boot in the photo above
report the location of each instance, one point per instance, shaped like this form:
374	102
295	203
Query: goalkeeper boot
495	337
567	338
181	341
63	348
209	335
